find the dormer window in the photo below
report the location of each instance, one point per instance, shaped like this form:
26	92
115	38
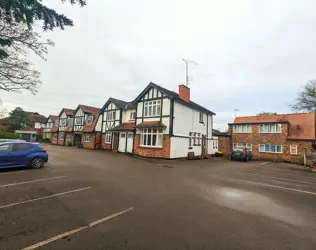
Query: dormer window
89	119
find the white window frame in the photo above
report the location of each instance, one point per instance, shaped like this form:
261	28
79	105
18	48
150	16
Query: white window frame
86	138
152	108
80	122
55	135
68	137
242	145
108	137
293	147
111	115
269	150
274	128
89	119
242	129
63	122
144	137
201	117
132	116
62	137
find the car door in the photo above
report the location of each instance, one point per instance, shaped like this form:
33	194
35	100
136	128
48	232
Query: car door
19	153
5	155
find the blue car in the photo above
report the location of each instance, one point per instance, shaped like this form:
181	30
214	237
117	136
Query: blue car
22	154
241	154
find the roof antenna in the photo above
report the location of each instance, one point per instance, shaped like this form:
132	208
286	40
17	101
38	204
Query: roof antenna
187	77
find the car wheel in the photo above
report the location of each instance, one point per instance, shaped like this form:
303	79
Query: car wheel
37	162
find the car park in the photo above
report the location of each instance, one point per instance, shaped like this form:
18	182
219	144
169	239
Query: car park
22	154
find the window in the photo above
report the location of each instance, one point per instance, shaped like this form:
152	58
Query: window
270	148
151	137
243	145
89	119
55	135
270	128
195	138
63	122
86	138
201	117
190	139
293	149
108	137
130	135
17	147
56	123
5	148
242	129
111	115
70	121
79	121
152	108
68	137
61	136
132	115
122	135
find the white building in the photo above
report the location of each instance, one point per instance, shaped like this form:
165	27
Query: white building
170	125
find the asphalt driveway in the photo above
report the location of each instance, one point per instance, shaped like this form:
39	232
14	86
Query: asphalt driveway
100	200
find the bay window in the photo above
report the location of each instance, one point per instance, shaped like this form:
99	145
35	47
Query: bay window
152	108
270	128
151	137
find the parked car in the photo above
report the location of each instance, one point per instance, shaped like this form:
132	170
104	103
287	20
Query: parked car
22	154
241	154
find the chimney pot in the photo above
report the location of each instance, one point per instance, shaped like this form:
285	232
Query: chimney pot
184	93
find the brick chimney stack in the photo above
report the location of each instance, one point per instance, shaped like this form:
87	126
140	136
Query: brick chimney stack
184	92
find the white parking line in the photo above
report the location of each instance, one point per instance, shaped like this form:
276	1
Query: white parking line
279	178
66	234
26	182
285	173
15	172
263	163
43	198
280	187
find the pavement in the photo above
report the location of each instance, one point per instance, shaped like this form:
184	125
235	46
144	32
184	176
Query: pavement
84	199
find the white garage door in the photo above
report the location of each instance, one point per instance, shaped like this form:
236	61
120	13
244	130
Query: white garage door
129	148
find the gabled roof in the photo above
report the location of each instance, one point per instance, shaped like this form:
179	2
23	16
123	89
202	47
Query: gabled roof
88	109
69	112
36	117
301	125
52	117
119	103
172	95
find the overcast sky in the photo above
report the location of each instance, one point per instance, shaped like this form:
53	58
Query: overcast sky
252	55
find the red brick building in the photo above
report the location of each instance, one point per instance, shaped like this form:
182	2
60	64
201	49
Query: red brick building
275	137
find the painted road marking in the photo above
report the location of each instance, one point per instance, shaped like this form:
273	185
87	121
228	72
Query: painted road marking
26	182
43	198
285	173
263	163
279	178
15	172
280	187
66	234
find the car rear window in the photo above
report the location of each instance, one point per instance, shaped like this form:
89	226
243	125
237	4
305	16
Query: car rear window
237	150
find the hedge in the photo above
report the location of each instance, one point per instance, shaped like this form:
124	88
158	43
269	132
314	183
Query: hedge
8	135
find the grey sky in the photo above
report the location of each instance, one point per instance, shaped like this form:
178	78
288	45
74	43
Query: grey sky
253	55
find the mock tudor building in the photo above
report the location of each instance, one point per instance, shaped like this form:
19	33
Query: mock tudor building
116	124
50	123
85	119
169	125
63	134
278	137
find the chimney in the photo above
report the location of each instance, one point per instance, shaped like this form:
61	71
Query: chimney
184	92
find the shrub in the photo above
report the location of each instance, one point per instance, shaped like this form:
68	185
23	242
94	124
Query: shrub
8	135
69	144
44	140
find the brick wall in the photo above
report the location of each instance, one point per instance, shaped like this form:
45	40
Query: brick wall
255	138
53	141
103	144
89	145
163	152
224	144
61	140
69	137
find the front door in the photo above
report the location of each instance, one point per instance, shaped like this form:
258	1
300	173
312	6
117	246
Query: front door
77	140
115	141
203	144
130	140
122	143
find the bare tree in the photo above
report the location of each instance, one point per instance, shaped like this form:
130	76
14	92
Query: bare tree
16	72
306	98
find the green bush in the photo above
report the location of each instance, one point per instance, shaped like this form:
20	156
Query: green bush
8	135
44	140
